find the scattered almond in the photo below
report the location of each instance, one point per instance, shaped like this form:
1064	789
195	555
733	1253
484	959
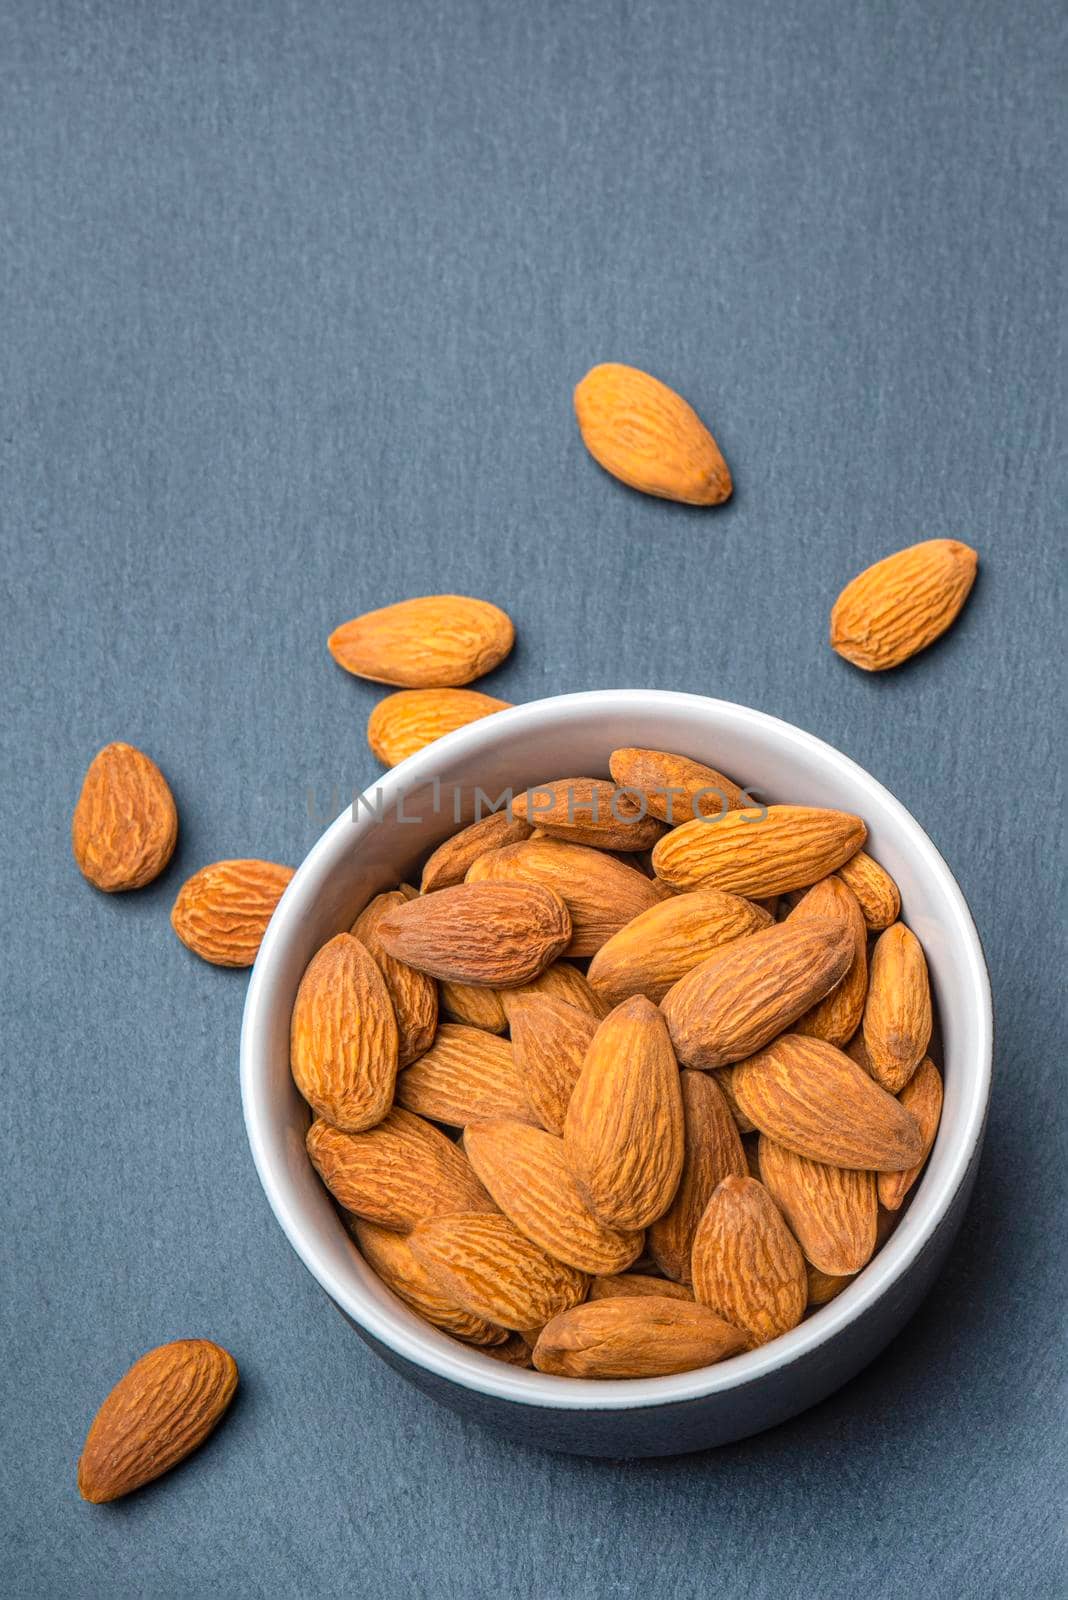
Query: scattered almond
222	911
646	435
432	643
411	719
125	824
903	603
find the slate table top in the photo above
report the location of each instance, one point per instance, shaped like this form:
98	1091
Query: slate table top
294	297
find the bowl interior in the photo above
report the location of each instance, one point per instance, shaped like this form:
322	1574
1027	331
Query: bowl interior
382	840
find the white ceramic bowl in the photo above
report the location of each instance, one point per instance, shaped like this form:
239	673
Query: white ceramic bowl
358	857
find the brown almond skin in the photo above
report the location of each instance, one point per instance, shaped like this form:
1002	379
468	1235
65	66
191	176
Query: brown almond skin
514	1351
713	1152
837	1016
632	1338
747	1265
475	1007
391	1256
748	992
414	995
648	437
222	911
617	1285
486	1264
757	855
125	824
661	945
624	1134
406	722
560	981
159	1413
524	1170
466	1075
589	811
897	1016
398	1173
343	1037
902	604
831	1211
601	893
922	1096
497	934
676	789
724	1077
550	1041
875	889
437	641
451	860
813	1099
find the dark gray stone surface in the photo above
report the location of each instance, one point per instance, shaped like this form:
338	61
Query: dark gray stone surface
294	296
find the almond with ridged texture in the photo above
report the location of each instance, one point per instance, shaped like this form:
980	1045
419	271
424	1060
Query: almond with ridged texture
648	437
125	825
725	1079
589	811
222	911
666	942
398	1173
713	1152
159	1413
813	1099
435	642
676	789
747	1265
497	934
620	1285
486	1264
746	853
343	1037
396	1264
562	982
411	719
630	1338
748	992
450	861
513	1350
624	1134
414	995
875	889
903	603
836	1017
466	1074
897	1016
831	1211
922	1096
524	1170
474	1007
550	1041
601	893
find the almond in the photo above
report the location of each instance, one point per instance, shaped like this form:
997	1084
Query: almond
836	1017
823	1287
813	1099
922	1096
392	1257
159	1413
831	1210
486	1264
465	1075
434	642
624	1132
560	981
125	824
875	889
661	945
646	435
222	911
902	604
343	1037
601	893
755	853
550	1041
414	995
411	719
630	1338
398	1173
475	1007
713	1151
746	1263
450	861
589	811
498	934
748	992
524	1170
617	1285
514	1350
897	1017
725	1079
676	789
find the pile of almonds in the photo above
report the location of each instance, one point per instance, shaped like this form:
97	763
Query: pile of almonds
667	1158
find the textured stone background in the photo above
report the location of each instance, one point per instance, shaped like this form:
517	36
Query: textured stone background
294	295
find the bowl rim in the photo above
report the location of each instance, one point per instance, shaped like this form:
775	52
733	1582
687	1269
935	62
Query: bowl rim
931	1201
